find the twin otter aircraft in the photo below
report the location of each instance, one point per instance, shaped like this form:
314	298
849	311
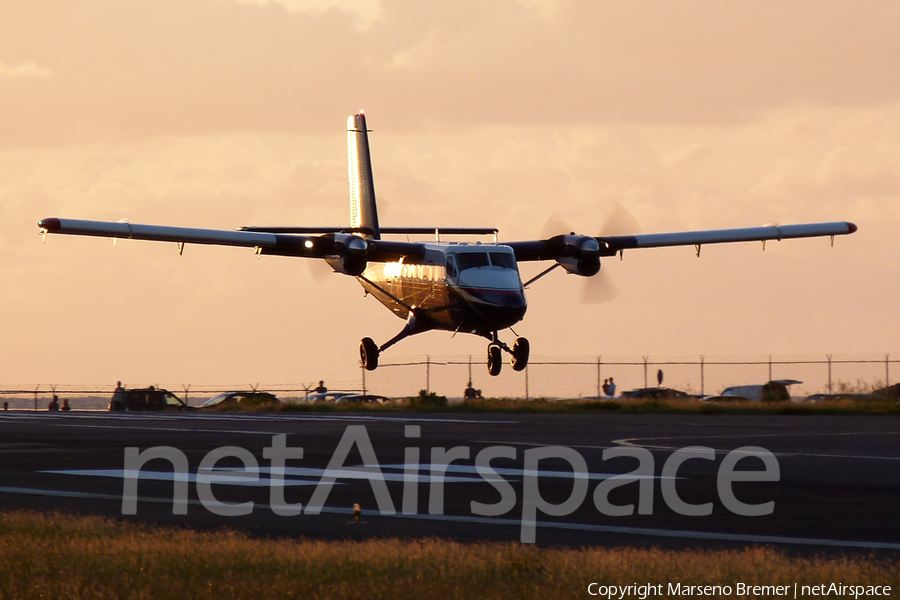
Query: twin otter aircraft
470	288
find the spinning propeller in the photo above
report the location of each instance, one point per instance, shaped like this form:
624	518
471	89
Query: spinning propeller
598	288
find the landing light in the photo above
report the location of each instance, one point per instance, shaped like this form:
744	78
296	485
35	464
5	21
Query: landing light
308	244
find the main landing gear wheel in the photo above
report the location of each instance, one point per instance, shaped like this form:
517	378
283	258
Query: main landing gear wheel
368	354
494	360
520	351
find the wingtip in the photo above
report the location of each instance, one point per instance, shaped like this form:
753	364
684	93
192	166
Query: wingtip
51	224
851	227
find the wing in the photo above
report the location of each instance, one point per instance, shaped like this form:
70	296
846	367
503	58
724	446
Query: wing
581	254
610	245
345	252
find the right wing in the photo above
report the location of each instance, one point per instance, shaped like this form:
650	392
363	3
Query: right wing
346	252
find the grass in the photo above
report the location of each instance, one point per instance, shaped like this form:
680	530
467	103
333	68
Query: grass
64	556
858	404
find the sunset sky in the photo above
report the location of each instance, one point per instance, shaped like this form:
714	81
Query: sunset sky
222	113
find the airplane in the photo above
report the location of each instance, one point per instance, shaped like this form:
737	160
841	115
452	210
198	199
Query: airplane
471	288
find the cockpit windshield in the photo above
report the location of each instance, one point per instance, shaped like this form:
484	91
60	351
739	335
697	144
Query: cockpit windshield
471	260
474	260
502	259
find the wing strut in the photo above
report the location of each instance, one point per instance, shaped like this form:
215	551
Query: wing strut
539	275
387	293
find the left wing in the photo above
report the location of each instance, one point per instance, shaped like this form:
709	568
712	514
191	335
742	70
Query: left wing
581	254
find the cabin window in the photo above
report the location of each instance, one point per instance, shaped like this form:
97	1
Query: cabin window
502	259
471	260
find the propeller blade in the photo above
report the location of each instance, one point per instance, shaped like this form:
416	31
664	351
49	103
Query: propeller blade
620	222
554	225
598	289
319	270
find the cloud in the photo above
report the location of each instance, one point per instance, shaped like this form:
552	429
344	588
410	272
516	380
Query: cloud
25	70
188	66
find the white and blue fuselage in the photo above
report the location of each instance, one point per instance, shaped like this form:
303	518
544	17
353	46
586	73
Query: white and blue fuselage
469	288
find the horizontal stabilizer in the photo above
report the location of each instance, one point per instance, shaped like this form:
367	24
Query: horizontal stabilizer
389	230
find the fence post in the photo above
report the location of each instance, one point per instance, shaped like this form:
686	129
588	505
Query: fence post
770	367
702	382
829	373
645	371
362	369
599	388
526	382
887	370
427	374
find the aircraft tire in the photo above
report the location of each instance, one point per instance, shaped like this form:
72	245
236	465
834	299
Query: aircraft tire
494	360
520	351
368	354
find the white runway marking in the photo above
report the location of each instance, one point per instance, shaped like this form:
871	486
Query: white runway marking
519	472
241	478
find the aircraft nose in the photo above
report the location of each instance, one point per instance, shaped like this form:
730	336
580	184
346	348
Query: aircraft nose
501	308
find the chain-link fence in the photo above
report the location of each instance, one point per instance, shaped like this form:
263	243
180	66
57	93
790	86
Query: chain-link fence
545	377
573	377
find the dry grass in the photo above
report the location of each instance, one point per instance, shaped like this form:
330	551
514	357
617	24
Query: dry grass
65	556
857	405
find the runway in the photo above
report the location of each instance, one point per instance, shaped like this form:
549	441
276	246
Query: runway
835	485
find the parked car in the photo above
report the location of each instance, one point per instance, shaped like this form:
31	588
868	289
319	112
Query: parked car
327	396
362	399
773	391
245	398
656	393
145	399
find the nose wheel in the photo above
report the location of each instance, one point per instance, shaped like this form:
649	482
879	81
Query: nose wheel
518	355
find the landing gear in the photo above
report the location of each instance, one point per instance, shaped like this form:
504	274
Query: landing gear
494	360
520	351
518	354
368	354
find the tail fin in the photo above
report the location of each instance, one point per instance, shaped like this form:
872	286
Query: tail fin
362	188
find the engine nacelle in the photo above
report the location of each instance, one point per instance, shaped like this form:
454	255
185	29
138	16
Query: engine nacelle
580	256
350	253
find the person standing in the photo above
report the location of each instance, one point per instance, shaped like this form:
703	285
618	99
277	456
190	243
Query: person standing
659	378
611	390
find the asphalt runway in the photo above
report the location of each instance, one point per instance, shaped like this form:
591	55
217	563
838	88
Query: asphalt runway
837	487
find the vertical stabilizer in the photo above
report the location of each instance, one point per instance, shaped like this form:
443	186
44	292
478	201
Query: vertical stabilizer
362	188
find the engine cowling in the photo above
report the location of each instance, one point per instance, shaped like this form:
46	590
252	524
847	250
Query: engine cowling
580	255
349	254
